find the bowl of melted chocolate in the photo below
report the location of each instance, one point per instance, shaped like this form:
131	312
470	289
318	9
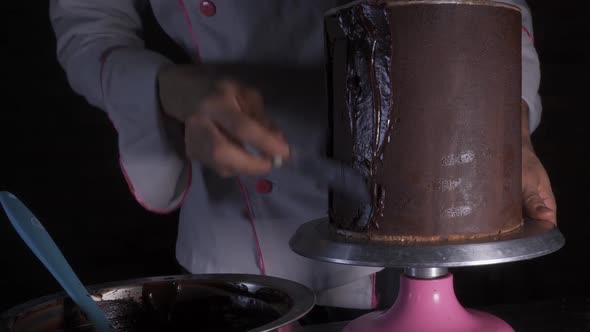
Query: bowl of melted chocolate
209	302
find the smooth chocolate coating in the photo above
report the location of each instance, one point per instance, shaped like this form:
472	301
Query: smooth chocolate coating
425	101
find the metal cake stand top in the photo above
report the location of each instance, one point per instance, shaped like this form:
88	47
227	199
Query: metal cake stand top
317	241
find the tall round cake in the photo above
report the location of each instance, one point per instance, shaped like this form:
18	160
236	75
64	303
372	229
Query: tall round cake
425	100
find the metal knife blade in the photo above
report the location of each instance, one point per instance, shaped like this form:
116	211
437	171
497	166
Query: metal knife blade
334	174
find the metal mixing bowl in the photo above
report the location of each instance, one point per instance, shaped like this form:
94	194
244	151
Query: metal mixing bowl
209	302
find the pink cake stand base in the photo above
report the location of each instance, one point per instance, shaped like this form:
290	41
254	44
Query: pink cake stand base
428	305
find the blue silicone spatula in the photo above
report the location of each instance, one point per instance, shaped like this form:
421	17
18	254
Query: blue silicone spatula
36	237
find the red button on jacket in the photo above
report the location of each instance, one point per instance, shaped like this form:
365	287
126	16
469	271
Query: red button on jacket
263	186
208	8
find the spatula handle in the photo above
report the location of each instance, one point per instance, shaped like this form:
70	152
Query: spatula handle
36	237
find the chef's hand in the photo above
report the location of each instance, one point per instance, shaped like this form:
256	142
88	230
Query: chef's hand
220	117
539	202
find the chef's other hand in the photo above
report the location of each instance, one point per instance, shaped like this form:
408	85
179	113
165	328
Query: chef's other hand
539	202
220	117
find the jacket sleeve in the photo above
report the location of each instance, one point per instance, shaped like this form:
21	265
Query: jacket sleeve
100	48
531	72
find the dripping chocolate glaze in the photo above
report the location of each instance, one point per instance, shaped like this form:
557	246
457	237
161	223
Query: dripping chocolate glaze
368	96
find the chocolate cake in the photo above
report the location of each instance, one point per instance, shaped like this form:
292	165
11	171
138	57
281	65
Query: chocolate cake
425	101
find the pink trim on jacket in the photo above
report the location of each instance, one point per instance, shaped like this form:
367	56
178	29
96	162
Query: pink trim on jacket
251	217
374	298
143	203
187	18
528	33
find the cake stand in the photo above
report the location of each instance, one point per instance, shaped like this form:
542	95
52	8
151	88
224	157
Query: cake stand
426	301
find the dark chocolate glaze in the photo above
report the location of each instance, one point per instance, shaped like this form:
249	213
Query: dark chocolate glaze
425	101
166	306
367	86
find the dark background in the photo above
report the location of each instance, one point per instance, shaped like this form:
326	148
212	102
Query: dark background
59	157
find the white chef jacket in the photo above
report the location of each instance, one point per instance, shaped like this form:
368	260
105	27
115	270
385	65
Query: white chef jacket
226	225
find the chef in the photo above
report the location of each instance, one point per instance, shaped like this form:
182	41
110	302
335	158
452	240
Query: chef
253	92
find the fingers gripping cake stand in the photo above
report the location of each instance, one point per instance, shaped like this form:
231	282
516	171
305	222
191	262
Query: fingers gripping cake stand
425	100
426	300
